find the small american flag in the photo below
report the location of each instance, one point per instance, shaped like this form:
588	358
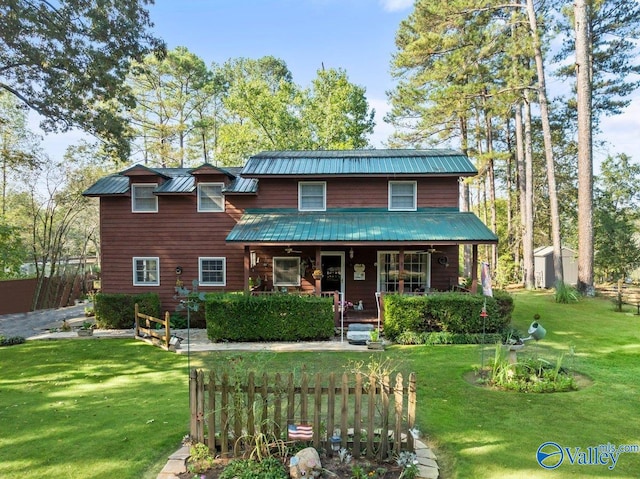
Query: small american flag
300	432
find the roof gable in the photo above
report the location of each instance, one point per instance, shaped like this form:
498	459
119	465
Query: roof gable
359	163
208	169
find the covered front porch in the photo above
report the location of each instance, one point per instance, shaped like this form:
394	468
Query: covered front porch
360	254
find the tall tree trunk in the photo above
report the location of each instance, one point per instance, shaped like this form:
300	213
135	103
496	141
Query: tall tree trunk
491	180
522	190
548	147
466	201
527	222
585	153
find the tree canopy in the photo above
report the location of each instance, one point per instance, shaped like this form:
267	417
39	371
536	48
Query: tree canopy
68	59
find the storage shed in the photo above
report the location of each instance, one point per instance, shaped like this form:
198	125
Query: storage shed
543	264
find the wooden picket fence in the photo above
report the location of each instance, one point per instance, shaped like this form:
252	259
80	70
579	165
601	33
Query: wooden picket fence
371	416
145	329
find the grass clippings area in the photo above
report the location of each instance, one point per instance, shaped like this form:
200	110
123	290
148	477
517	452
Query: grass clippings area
117	408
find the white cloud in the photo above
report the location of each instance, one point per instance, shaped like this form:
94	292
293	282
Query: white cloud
621	133
396	5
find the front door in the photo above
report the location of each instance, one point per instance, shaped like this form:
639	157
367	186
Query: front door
333	271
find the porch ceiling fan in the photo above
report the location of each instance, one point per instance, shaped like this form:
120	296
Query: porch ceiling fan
430	250
290	250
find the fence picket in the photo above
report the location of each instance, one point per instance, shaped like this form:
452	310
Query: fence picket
371	414
317	409
331	405
398	403
357	416
211	413
223	413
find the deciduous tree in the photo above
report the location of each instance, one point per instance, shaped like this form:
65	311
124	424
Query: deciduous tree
68	59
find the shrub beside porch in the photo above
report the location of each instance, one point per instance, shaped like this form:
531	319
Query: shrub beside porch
450	312
274	317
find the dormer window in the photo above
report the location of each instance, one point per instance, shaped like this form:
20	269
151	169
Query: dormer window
402	196
312	196
142	198
210	197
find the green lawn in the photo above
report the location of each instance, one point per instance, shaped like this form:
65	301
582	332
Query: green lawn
115	408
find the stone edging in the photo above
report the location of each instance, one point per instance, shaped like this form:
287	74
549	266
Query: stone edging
427	463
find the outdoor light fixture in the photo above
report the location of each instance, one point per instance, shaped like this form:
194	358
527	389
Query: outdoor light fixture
350	253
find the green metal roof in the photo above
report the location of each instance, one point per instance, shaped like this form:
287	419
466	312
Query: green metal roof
109	185
242	186
178	181
177	185
358	163
437	225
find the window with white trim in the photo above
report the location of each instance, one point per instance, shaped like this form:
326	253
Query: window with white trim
402	196
146	271
213	271
210	197
143	200
312	196
417	275
286	271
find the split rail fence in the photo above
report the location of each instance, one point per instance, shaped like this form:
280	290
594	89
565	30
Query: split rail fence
146	331
370	415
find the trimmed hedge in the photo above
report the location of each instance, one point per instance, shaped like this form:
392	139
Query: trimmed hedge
116	310
443	337
11	341
457	313
274	317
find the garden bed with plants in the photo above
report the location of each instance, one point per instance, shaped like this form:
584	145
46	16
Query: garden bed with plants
340	465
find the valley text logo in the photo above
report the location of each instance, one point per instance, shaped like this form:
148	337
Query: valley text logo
552	455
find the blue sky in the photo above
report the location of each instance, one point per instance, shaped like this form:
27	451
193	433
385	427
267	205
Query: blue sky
356	35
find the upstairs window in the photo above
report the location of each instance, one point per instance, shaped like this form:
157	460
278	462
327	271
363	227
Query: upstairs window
146	271
312	196
213	271
286	271
402	196
142	198
210	197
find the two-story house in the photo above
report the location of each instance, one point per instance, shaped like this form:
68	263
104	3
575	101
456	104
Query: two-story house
370	220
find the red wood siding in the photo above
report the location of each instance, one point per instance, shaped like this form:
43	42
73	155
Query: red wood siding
177	234
359	192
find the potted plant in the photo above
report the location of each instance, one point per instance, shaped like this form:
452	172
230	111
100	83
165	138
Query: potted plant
317	274
86	329
375	341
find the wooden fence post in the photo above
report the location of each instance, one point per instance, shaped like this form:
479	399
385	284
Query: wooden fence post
331	400
398	403
317	409
136	311
167	326
357	417
224	415
411	410
384	434
211	419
